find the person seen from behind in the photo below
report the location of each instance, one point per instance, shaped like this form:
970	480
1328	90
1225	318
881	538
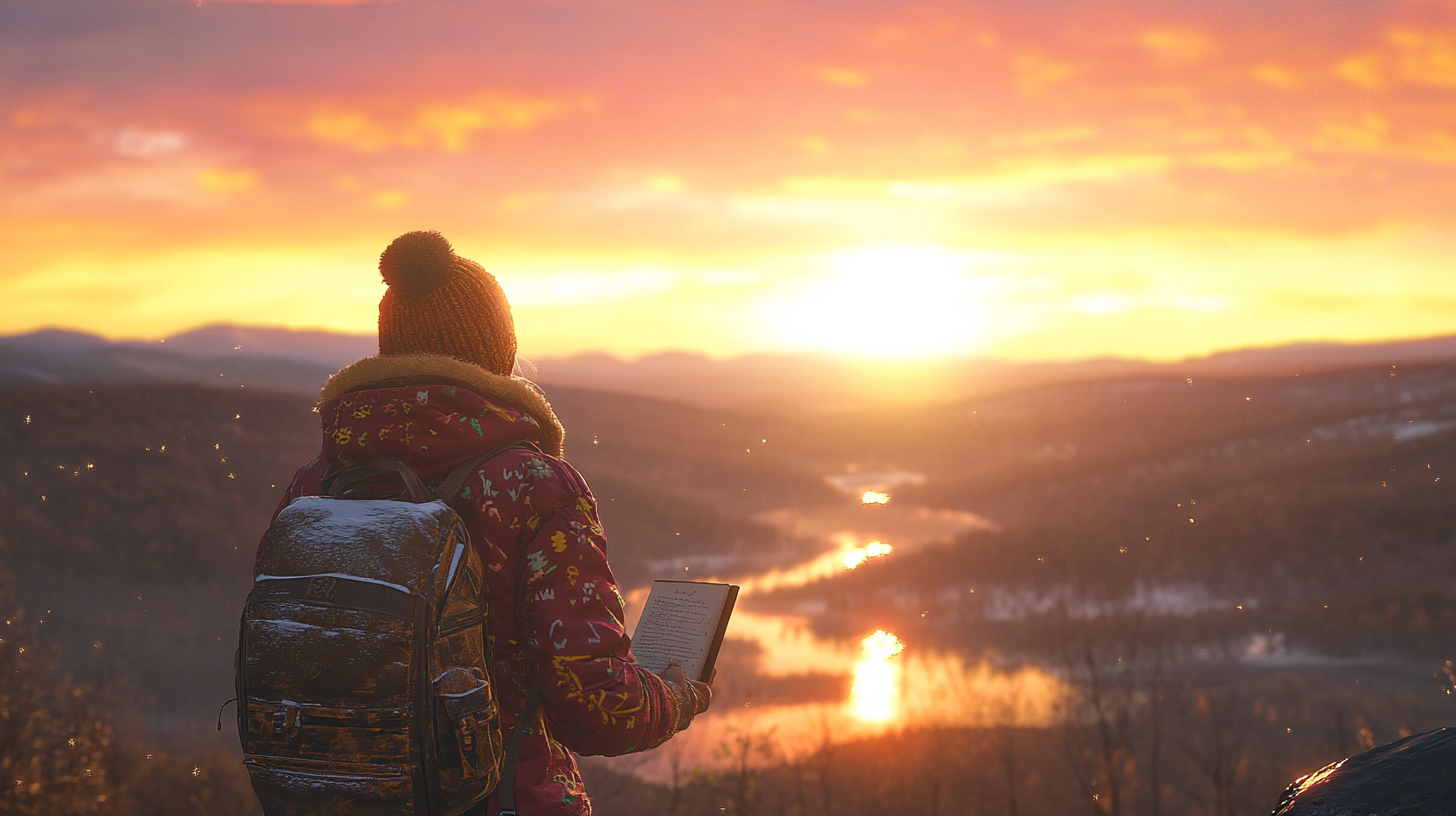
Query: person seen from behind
440	392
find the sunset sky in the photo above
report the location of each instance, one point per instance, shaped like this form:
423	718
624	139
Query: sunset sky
1025	180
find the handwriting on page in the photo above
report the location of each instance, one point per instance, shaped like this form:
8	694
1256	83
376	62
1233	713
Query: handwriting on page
678	623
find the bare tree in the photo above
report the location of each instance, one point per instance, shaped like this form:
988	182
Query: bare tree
674	769
1100	653
823	760
1213	737
1006	757
742	745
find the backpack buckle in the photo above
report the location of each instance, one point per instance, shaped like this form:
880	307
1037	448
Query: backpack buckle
281	719
467	731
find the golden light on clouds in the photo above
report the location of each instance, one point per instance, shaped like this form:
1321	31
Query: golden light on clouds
1428	57
390	199
1177	46
227	181
843	77
441	126
885	181
1415	56
1036	73
1277	76
1364	71
350	128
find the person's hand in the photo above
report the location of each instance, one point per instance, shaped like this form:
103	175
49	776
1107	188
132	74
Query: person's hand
692	696
675	674
701	693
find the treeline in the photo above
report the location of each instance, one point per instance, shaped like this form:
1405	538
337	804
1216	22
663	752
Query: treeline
1224	759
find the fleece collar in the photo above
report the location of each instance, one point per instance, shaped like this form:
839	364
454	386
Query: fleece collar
397	370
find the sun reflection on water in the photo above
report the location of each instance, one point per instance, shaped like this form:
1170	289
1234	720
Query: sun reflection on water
858	555
876	688
890	687
897	689
847	556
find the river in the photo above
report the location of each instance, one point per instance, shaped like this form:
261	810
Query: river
891	684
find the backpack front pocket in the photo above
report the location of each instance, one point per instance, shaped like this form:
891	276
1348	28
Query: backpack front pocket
302	758
308	731
289	786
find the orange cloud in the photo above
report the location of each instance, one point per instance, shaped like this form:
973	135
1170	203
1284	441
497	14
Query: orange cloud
390	199
1372	136
1277	76
1426	57
1043	138
452	125
1366	70
1035	73
1177	46
350	128
227	181
447	126
843	77
1412	56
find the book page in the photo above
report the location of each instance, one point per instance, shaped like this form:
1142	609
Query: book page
680	620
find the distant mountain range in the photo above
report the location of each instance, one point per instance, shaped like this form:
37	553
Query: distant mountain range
299	361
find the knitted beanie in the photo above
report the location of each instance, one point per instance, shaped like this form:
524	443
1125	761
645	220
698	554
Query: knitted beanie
441	303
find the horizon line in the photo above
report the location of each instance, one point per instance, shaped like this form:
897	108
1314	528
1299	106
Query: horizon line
937	359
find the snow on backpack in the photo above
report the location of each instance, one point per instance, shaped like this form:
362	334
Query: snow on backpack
363	670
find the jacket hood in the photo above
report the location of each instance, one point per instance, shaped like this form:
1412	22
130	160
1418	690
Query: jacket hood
430	412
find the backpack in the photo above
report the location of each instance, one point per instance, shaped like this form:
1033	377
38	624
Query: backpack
363	669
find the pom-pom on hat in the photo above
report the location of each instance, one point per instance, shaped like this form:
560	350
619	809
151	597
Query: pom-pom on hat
441	303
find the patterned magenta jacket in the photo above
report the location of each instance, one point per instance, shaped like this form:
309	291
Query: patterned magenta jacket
566	637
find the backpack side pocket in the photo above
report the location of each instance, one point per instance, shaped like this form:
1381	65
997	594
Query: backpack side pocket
467	735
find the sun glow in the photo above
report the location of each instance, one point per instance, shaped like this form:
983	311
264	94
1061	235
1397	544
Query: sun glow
874	497
886	302
876	689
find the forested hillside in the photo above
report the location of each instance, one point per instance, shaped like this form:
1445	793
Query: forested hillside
1272	556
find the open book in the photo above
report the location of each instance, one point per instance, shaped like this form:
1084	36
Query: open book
683	620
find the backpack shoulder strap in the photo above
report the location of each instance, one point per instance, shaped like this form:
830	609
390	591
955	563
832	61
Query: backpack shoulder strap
450	485
341	483
524	726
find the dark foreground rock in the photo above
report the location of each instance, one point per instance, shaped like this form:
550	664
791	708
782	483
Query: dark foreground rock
1415	776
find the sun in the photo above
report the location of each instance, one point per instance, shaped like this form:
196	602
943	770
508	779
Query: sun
885	302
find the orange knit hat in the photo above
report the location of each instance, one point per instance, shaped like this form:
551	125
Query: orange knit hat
441	303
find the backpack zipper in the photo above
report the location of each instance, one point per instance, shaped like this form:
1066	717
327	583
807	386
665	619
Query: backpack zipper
321	768
461	621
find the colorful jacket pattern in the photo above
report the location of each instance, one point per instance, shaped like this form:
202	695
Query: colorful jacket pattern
557	616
